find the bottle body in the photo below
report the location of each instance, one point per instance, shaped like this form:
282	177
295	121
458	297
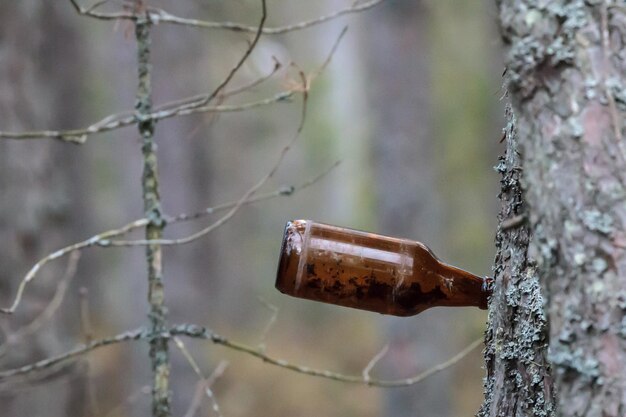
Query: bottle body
370	272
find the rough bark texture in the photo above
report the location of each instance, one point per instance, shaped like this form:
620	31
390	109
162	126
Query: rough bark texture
566	65
159	354
518	381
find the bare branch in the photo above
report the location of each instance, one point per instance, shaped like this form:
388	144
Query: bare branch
193	331
218	223
90	11
258	30
284	191
99	239
196	107
161	16
194	365
201	98
52	307
330	55
368	368
196	400
157	16
104	239
124	119
197	397
270	323
92	405
182	107
44	364
199	332
85	315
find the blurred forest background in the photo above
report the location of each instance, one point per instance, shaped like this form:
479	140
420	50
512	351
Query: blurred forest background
409	104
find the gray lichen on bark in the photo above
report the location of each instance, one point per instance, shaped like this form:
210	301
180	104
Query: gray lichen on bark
518	381
566	61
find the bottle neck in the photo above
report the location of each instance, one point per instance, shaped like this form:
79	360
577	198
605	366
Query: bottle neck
463	288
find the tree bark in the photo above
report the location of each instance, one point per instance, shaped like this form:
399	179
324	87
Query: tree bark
518	381
566	69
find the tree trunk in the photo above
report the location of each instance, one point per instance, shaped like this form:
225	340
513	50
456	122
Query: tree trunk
37	54
566	70
518	379
407	201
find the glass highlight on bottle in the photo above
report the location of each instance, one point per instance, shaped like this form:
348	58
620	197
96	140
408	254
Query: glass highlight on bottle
371	272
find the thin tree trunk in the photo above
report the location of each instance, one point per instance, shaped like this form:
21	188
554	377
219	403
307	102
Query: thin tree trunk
566	68
407	201
37	57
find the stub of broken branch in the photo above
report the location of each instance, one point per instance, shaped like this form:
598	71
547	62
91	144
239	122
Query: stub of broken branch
513	222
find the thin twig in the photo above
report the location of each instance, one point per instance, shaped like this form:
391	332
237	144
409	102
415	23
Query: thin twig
85	315
125	119
270	323
200	98
137	334
199	332
258	30
90	11
368	368
217	372
218	223
94	240
161	16
196	401
222	96
284	191
194	365
330	55
201	105
157	16
46	315
329	374
92	405
182	107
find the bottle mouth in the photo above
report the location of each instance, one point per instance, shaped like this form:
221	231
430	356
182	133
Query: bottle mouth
290	250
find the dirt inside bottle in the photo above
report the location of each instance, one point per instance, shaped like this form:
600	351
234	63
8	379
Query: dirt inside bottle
370	272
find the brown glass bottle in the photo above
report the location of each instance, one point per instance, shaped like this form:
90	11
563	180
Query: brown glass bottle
370	272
